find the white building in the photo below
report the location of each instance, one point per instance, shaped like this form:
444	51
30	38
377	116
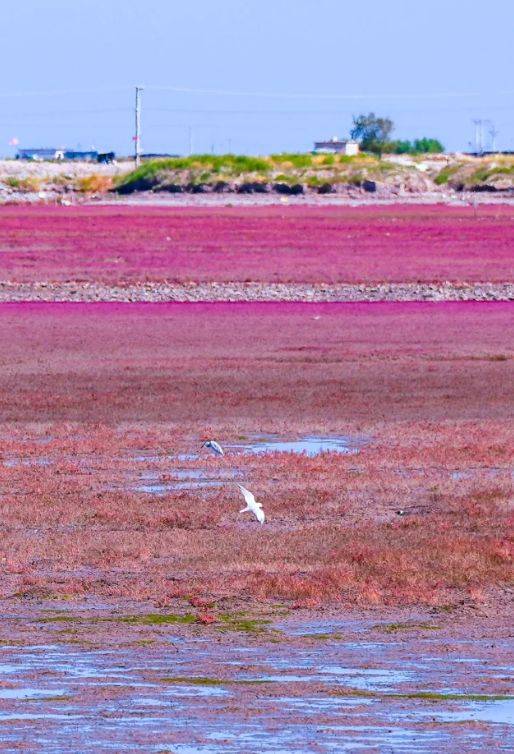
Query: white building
348	147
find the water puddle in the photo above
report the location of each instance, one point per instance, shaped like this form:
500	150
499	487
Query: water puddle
375	679
16	461
184	479
501	712
30	693
310	445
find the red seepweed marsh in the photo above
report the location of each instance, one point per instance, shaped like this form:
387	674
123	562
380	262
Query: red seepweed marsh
130	390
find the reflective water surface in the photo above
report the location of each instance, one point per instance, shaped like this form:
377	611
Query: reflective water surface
292	686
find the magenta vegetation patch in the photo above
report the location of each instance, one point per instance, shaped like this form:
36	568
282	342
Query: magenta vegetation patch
313	363
265	244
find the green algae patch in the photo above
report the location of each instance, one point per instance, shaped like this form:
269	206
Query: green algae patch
434	696
206	681
58	698
392	628
354	692
158	619
321	637
428	696
12	643
193	680
63	618
237	621
240	622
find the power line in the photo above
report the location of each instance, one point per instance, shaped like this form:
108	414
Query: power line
265	95
287	95
212	111
96	111
64	92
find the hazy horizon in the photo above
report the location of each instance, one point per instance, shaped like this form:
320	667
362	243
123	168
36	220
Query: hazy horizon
256	76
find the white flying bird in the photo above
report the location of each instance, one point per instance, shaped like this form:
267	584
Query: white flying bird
214	446
252	505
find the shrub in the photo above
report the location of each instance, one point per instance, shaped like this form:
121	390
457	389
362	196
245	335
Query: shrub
295	160
95	184
30	183
446	173
418	146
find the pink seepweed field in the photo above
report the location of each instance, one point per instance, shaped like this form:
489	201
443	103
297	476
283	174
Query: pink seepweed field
367	244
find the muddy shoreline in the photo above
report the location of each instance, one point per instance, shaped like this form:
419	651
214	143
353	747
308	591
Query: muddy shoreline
90	676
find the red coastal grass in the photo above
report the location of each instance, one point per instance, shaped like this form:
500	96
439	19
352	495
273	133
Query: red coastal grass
101	399
400	243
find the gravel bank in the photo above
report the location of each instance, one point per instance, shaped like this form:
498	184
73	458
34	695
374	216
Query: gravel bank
156	292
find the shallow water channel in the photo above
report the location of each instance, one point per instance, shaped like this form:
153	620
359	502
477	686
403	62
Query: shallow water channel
95	682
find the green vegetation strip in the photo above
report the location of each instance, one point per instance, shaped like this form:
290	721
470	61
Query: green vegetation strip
223	622
304	169
157	619
392	628
205	681
430	696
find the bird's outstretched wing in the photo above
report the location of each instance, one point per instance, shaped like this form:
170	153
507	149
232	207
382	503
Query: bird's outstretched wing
250	500
252	505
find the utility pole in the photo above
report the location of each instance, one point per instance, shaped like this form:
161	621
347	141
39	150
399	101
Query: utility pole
493	133
479	136
137	137
190	140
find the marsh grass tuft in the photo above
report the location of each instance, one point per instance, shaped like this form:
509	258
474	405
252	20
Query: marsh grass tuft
159	619
206	681
392	628
429	696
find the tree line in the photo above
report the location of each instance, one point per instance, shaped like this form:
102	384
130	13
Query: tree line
374	135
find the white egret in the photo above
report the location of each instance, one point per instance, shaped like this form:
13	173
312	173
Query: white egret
214	446
252	505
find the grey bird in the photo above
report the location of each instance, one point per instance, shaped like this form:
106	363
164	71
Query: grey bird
214	446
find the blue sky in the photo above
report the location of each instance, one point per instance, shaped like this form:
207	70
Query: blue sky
264	75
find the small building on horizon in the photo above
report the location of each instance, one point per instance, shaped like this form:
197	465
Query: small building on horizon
335	145
158	155
40	154
89	155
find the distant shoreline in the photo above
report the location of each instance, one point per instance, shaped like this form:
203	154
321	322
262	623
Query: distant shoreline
149	199
205	180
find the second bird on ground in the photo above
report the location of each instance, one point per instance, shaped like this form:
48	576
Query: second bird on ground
214	446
